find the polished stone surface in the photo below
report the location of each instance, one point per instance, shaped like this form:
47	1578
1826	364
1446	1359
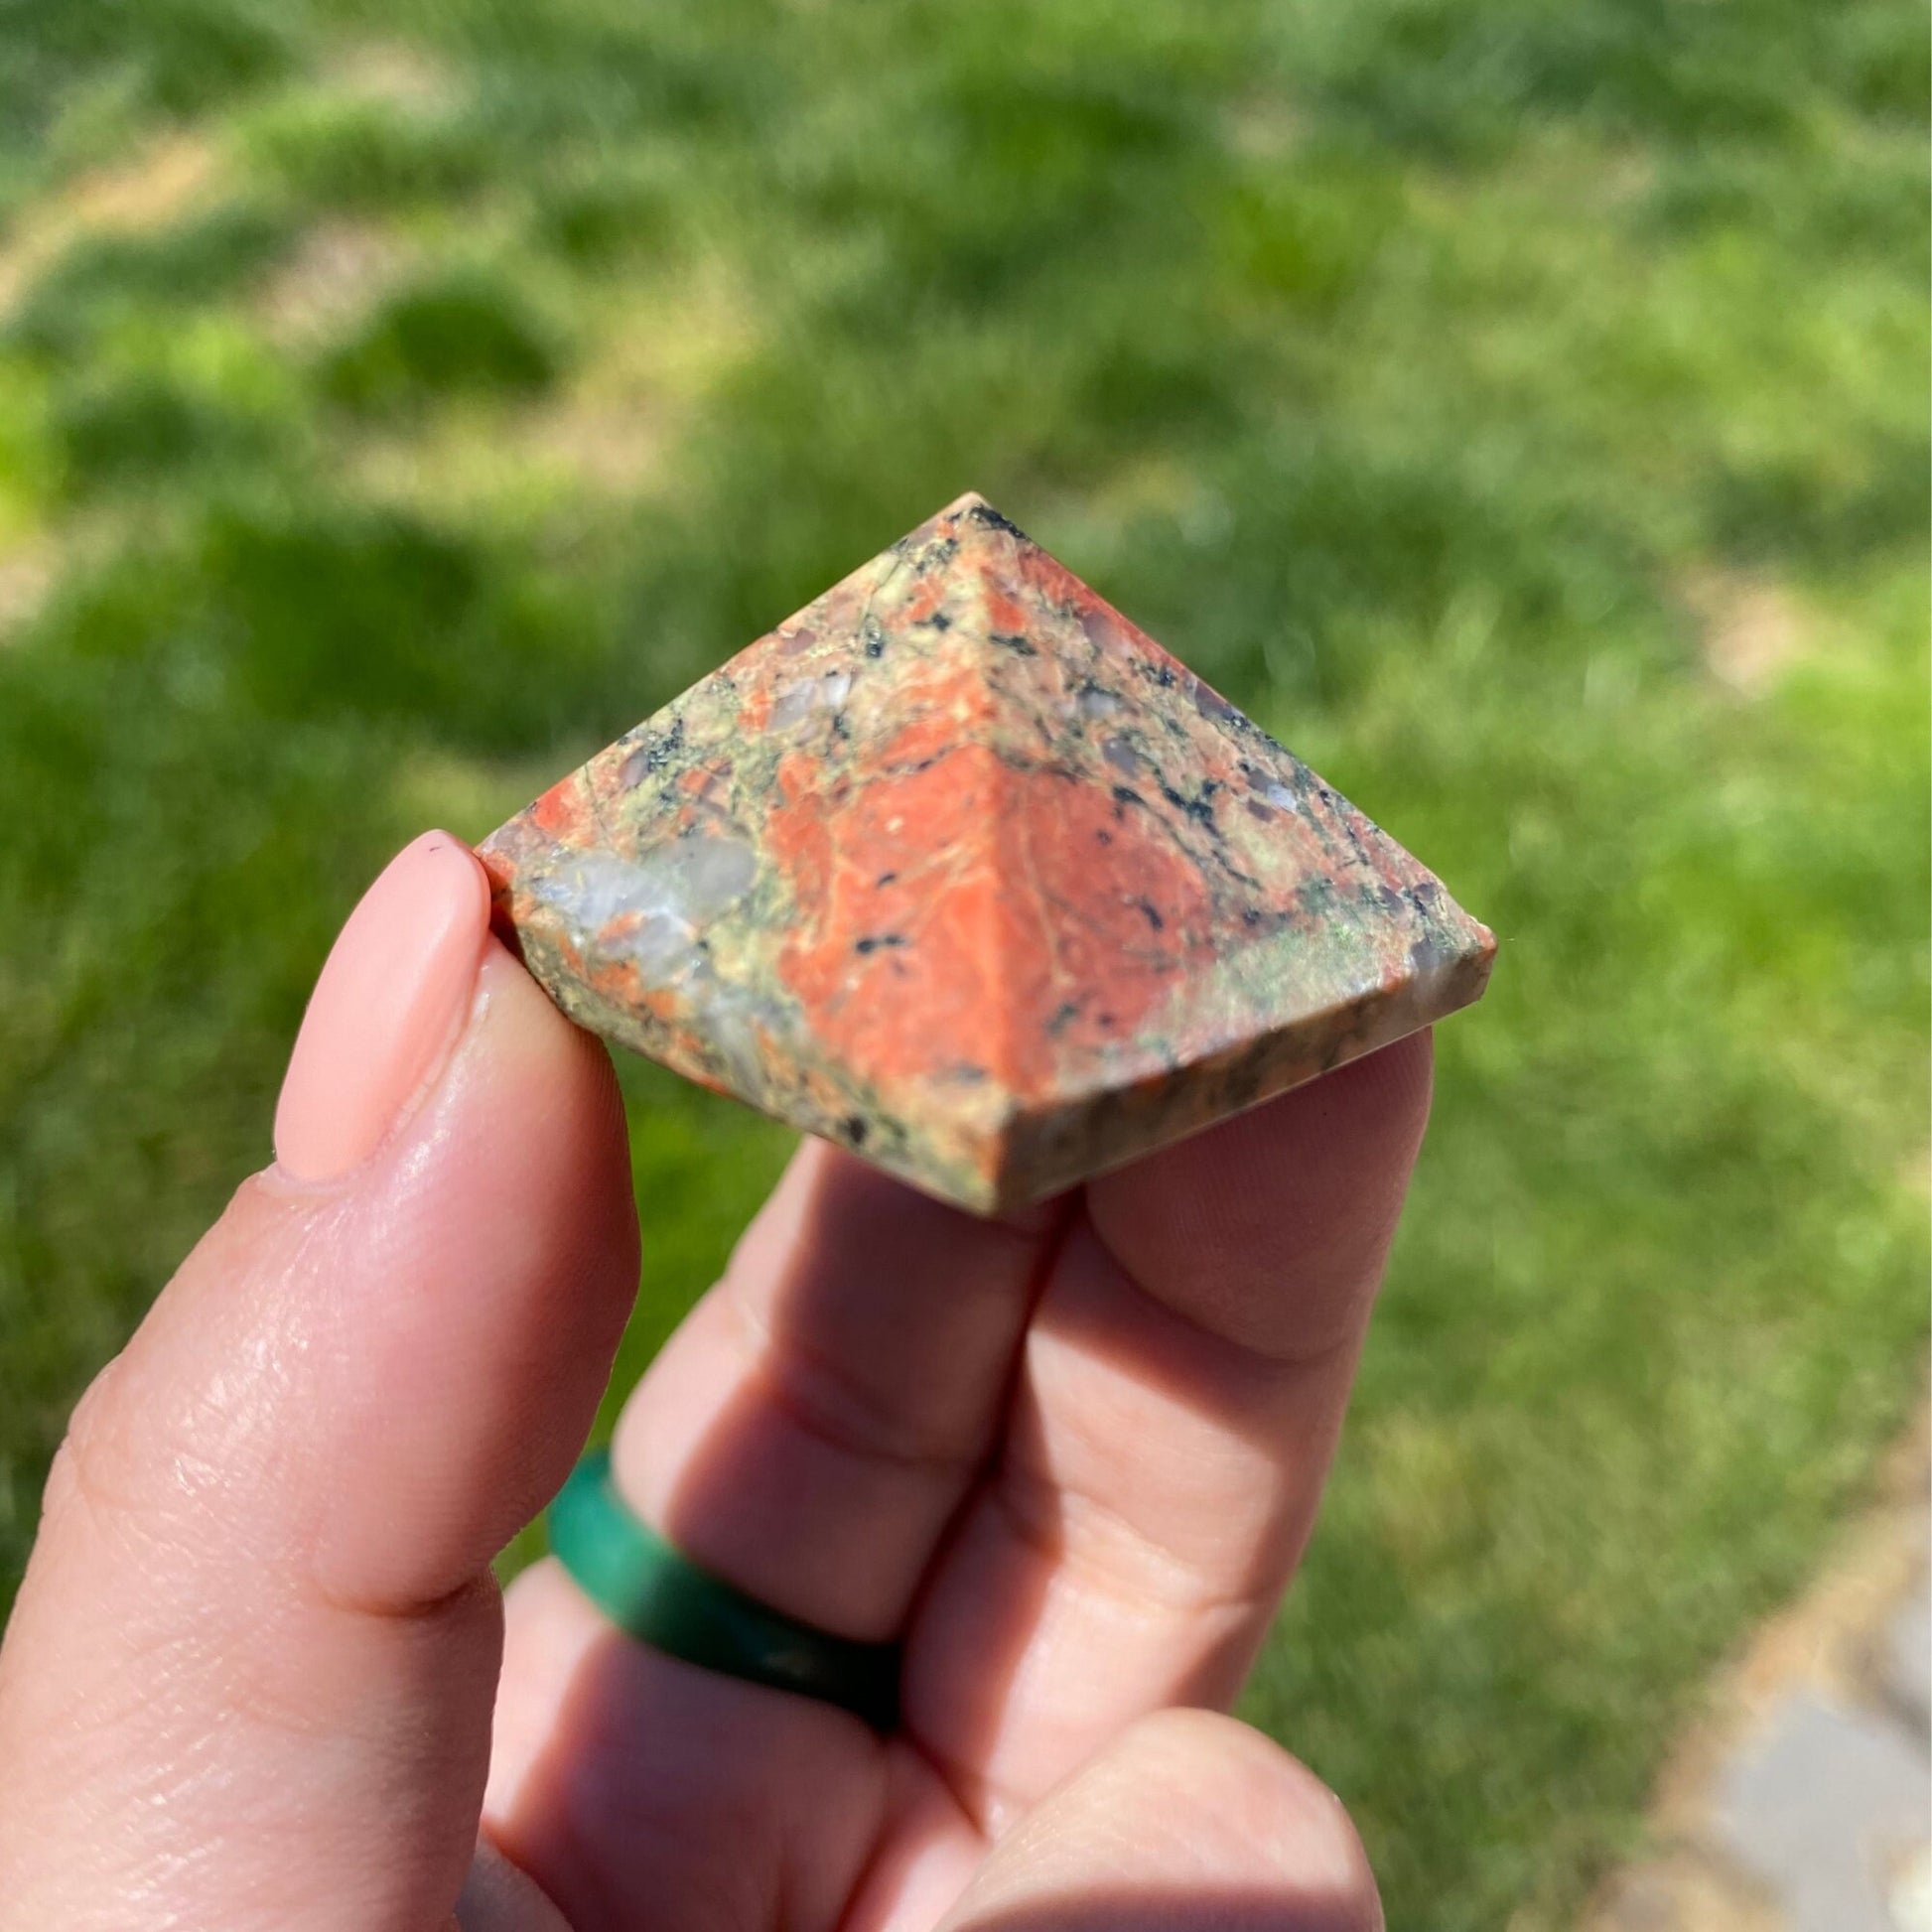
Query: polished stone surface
960	869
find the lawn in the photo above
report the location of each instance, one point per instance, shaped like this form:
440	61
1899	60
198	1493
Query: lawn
1520	405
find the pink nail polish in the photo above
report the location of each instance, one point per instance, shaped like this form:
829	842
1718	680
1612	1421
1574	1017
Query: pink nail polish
395	987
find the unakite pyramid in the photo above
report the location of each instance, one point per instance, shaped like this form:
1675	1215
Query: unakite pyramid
961	870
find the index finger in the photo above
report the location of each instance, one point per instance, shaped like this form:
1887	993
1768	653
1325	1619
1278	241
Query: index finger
1178	1404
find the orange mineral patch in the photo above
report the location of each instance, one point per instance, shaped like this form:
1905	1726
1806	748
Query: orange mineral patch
896	953
560	811
1118	916
971	920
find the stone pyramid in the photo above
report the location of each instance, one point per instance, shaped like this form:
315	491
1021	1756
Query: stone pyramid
961	870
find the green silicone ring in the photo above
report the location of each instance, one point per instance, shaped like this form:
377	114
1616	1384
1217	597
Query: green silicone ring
661	1598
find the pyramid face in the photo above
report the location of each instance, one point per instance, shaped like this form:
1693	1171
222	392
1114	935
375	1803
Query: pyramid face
960	869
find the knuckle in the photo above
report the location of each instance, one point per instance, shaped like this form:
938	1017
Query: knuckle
89	1464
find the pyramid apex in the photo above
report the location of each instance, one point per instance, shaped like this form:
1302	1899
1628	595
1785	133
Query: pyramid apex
969	505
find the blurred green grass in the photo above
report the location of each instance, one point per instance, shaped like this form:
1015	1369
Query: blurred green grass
1521	407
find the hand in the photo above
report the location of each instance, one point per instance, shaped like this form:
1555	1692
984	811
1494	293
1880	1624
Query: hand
1071	1459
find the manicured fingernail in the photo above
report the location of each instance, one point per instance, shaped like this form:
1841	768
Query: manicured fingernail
392	992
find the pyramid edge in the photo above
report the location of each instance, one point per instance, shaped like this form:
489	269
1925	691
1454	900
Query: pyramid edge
1114	1127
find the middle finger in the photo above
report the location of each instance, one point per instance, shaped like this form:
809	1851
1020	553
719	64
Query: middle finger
812	1426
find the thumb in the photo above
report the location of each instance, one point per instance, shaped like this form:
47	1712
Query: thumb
1188	1822
249	1679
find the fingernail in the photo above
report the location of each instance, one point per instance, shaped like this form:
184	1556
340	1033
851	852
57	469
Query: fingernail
392	992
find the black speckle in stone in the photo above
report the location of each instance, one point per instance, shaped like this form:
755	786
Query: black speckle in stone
667	747
1126	795
878	943
938	622
1209	704
854	1129
986	514
1234	872
1150	911
1010	641
885	879
653	755
1201	810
